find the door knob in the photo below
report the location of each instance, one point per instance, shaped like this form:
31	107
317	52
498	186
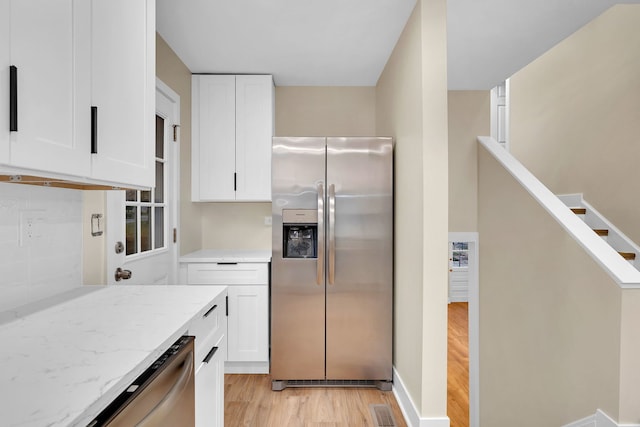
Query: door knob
122	274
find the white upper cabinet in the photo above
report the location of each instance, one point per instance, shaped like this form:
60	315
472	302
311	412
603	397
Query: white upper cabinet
48	40
213	148
5	62
68	56
254	129
123	90
231	138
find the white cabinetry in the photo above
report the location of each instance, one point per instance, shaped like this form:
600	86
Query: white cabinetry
66	58
48	49
210	332
247	326
232	130
123	90
248	310
210	387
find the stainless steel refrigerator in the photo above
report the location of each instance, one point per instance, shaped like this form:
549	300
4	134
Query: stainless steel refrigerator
332	263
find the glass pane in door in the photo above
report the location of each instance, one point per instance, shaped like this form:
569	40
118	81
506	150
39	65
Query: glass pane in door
145	228
158	225
131	227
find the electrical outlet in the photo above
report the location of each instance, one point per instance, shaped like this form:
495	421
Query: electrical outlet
267	220
31	227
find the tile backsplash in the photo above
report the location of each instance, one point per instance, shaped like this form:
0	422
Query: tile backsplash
40	243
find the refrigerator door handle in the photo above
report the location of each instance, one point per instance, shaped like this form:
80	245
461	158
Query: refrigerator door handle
320	237
332	233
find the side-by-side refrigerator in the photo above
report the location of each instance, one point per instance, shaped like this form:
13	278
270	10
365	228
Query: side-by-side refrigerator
332	262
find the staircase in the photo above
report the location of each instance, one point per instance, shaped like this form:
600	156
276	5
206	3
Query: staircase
603	228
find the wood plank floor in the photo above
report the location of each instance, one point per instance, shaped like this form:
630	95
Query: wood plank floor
458	365
249	401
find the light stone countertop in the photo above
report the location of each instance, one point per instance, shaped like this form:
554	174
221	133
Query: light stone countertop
224	255
61	366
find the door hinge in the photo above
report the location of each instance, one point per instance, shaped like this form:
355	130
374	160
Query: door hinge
175	133
175	235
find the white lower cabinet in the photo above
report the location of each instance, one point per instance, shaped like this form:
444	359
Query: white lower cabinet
210	387
210	353
247	310
247	325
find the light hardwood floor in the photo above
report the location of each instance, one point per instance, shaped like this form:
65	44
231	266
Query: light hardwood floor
249	401
458	365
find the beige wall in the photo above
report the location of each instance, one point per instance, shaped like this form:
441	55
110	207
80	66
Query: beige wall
435	195
575	116
236	226
469	116
411	105
549	317
399	113
325	111
172	71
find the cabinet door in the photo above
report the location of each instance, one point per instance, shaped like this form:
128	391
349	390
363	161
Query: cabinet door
213	150
5	62
209	388
248	324
123	90
48	46
254	129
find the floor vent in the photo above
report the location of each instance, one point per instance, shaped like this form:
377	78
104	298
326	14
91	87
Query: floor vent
382	416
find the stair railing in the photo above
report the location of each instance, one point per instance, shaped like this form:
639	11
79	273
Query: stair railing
608	258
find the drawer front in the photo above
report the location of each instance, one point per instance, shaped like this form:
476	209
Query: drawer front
210	325
228	274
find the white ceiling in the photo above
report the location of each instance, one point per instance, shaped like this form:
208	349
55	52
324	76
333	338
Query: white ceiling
348	42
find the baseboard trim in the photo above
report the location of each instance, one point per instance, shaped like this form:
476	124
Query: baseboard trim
246	367
599	419
408	408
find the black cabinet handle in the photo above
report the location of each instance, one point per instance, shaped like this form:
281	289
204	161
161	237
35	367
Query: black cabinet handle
13	98
227	263
94	130
226	302
210	310
235	181
210	354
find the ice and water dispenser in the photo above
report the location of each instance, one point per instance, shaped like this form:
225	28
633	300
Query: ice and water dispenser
300	233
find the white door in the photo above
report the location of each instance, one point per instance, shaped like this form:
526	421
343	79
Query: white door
213	148
140	224
123	80
254	129
248	333
458	271
48	49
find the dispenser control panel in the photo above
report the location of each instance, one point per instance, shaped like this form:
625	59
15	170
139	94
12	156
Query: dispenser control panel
300	231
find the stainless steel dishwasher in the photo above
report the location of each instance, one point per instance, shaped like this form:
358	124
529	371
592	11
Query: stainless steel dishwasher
162	396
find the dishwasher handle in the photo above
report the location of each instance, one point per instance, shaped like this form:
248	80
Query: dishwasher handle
167	403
